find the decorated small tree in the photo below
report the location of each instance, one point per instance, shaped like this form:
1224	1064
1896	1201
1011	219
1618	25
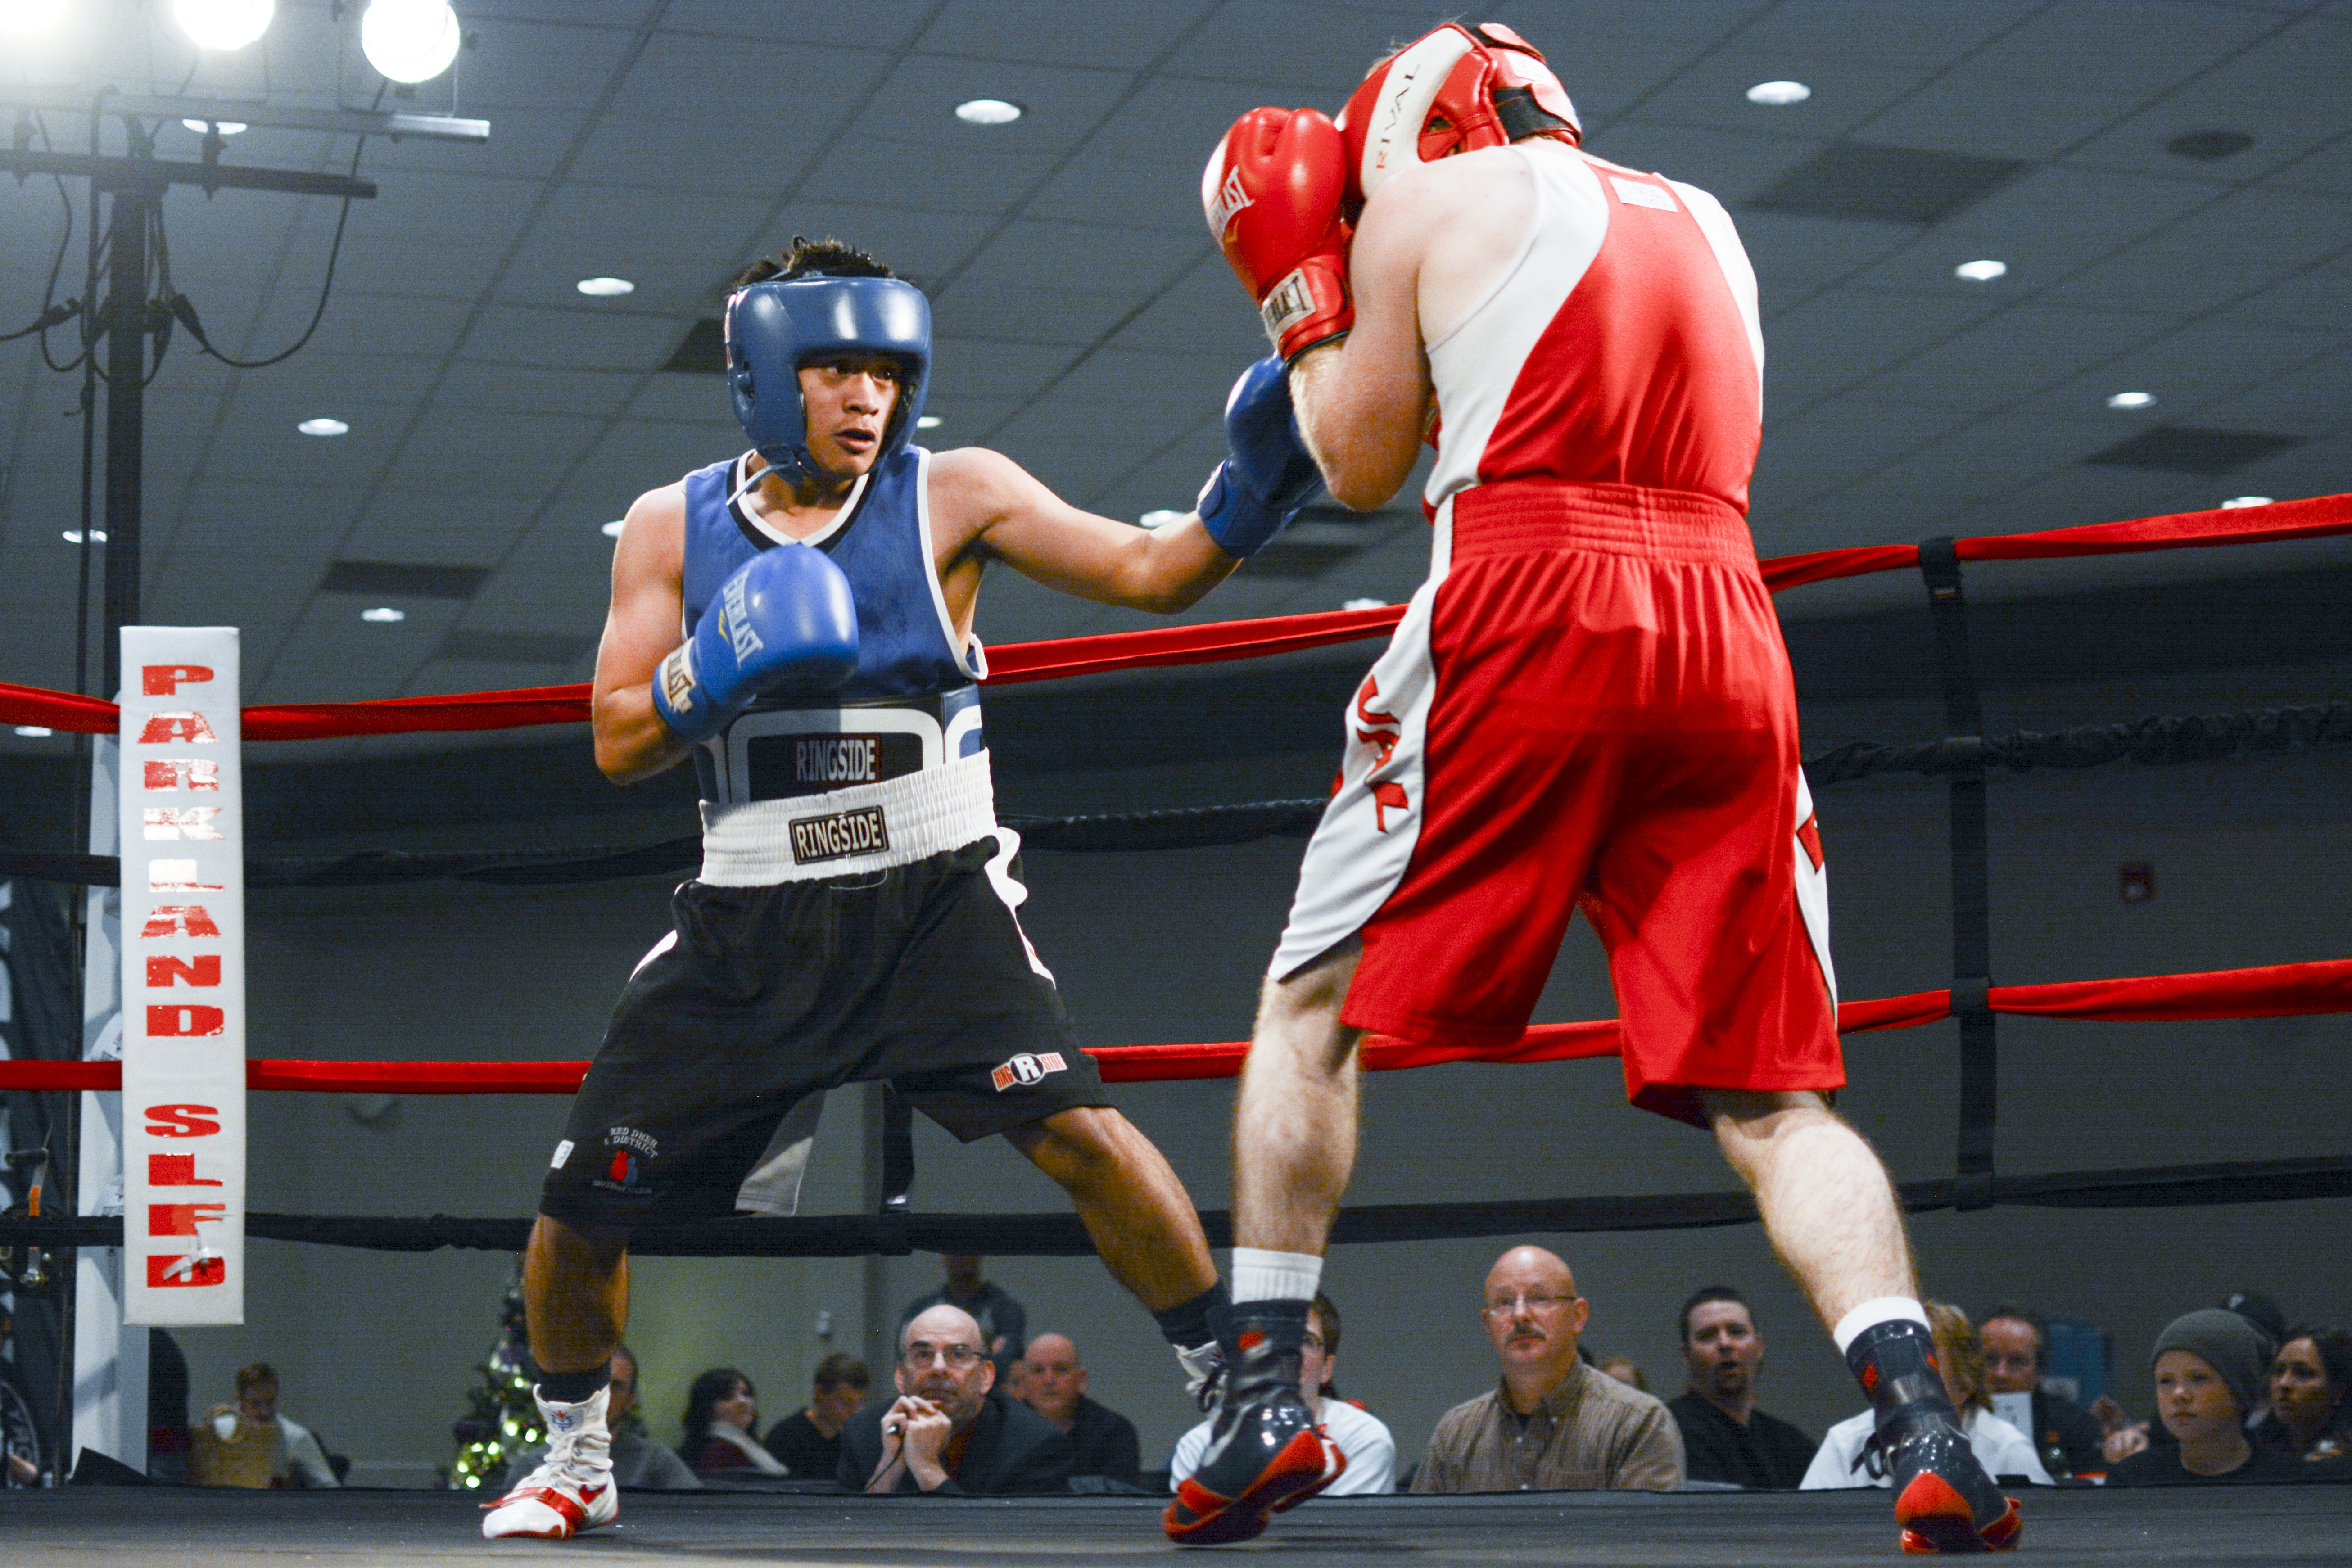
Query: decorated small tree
502	1418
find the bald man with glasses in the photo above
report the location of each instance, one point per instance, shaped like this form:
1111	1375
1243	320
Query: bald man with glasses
1552	1423
952	1431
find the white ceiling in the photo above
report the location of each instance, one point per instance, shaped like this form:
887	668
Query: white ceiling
1086	327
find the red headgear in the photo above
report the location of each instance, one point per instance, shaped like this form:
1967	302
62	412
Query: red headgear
1454	90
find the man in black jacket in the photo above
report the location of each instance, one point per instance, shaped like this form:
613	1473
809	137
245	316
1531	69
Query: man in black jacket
949	1431
1725	1436
2067	1437
1054	1385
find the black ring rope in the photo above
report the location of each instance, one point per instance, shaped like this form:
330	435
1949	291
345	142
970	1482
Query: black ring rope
1062	1235
2145	742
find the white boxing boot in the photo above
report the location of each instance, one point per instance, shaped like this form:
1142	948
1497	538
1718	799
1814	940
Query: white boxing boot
572	1489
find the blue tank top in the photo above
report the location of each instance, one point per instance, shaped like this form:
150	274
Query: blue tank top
911	702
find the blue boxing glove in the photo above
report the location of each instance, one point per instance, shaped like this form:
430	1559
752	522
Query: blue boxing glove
1268	475
786	619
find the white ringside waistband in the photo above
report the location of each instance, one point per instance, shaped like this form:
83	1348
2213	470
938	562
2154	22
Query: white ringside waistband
844	832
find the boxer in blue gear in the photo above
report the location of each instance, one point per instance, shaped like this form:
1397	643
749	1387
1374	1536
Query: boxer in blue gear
854	918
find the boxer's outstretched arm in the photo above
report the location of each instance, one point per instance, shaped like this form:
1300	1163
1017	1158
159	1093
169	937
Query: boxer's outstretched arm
643	625
1006	513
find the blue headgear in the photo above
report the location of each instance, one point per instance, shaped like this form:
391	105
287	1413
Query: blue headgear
774	328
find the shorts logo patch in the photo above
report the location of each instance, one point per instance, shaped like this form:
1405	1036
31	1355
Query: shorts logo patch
563	1152
845	833
1025	1070
625	1169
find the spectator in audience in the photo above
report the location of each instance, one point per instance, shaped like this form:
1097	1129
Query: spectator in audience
2000	1448
1053	1382
2269	1323
2310	1416
1725	1436
2209	1373
2069	1438
1361	1436
951	1430
639	1464
1000	1317
1552	1423
722	1414
248	1443
807	1442
1623	1368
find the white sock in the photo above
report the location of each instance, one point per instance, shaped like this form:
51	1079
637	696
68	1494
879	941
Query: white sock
1260	1275
1870	1314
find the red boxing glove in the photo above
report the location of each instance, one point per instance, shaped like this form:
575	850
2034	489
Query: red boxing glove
1272	191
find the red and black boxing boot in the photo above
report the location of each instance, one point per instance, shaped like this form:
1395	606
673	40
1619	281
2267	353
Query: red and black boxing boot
1266	1451
1944	1501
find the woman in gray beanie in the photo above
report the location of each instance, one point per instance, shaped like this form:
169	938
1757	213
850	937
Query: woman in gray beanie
2210	1367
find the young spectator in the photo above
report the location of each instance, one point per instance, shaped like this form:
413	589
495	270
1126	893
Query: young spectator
2069	1438
1361	1436
722	1412
2209	1373
1552	1423
248	1443
2310	1416
639	1464
807	1442
1001	1317
2000	1448
1053	1382
1725	1436
951	1430
1623	1369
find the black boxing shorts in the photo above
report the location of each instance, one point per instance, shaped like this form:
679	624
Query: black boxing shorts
917	975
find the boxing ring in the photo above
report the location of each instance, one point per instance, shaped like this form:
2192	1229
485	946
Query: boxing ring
2245	1525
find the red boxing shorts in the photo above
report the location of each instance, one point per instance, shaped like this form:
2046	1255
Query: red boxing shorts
1588	705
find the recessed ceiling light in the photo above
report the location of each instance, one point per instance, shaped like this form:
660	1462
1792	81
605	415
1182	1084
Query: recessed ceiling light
2131	400
384	613
1365	604
25	17
323	427
223	24
2247	501
605	288
73	536
225	127
1778	94
35	730
988	112
613	529
1161	518
1983	271
410	40
927	422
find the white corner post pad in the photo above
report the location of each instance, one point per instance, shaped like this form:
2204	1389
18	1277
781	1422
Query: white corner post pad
1870	1314
182	977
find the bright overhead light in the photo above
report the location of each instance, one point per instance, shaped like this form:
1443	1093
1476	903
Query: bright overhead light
928	422
1365	604
2246	500
409	40
35	730
223	24
1161	518
323	427
613	529
605	288
73	536
225	127
1778	94
988	112
22	20
384	613
2131	400
1983	271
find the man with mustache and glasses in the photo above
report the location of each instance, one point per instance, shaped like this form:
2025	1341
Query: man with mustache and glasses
1553	1423
951	1431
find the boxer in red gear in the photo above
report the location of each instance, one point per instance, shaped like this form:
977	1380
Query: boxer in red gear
1587	705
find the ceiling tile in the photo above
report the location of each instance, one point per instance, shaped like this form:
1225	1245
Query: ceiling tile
1039	31
571	339
2245	242
874	23
2015	353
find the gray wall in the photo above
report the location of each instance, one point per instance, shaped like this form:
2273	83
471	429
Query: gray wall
377	1349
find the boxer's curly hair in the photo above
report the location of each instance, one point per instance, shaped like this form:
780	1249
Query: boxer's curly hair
813	258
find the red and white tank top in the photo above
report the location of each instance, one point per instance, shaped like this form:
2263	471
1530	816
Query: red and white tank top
1620	346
